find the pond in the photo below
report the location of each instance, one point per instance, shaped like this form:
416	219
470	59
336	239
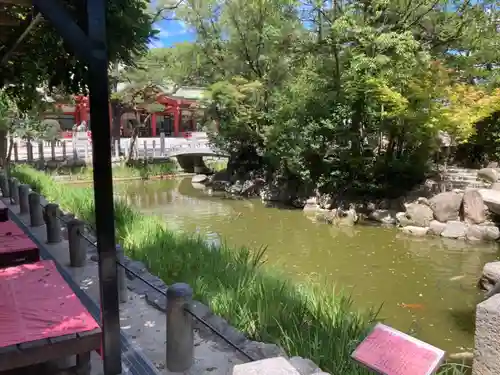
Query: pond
427	287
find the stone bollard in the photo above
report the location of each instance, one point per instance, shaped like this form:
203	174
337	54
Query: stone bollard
36	209
14	190
180	337
77	250
122	274
486	338
24	191
4	185
53	223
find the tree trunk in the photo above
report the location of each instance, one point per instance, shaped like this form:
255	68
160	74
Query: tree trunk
3	147
133	140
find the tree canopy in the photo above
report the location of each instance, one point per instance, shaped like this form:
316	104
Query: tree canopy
339	93
44	59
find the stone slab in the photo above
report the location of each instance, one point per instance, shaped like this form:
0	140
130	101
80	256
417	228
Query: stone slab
270	366
487	337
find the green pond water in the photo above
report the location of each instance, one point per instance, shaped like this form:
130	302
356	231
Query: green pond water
427	286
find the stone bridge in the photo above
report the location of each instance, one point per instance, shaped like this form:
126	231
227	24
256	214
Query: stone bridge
188	152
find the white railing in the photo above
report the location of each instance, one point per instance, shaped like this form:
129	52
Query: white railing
80	148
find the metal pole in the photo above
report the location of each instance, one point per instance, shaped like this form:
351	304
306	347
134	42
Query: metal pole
103	186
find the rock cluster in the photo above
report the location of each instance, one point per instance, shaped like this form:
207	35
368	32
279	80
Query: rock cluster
459	214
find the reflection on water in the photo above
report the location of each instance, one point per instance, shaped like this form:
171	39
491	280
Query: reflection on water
427	286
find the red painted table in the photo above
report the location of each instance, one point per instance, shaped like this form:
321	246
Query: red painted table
15	246
41	318
391	352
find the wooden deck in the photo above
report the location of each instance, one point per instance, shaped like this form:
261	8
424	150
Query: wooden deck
41	319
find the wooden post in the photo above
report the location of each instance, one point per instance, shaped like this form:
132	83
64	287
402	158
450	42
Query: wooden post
53	223
4	185
64	149
36	209
14	190
180	337
29	150
162	144
53	150
24	191
41	156
77	251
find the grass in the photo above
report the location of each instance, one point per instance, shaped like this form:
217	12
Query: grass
142	170
306	320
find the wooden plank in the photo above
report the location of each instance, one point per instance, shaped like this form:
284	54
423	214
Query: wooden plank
28	354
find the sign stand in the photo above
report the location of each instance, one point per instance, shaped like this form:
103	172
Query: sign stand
390	352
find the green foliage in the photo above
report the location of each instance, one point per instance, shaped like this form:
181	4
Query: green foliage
43	59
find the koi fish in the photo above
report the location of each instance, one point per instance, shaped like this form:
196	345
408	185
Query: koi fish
412	306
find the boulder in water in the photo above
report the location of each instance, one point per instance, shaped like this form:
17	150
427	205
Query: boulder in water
446	206
420	215
473	207
491	199
454	229
199	179
488	175
415	231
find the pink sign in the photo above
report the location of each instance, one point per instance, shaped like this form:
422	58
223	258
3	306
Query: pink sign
391	352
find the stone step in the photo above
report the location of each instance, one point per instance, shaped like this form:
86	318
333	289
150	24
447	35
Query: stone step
278	366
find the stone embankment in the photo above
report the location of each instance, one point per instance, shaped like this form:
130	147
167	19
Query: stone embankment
464	204
469	213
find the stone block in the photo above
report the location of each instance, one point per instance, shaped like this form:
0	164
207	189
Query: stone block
487	338
270	366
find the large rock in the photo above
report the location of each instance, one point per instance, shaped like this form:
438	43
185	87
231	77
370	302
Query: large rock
490	276
488	174
491	199
199	178
415	231
403	219
454	229
383	216
326	201
436	227
487	338
420	215
473	207
483	232
446	206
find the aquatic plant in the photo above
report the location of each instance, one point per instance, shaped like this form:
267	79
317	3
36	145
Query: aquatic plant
306	320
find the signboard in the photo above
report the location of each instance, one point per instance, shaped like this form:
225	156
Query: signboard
391	352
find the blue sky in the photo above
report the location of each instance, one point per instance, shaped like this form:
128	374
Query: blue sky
172	32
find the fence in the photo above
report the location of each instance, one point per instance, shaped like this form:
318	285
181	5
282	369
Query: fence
80	148
179	312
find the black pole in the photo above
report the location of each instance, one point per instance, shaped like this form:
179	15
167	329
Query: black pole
103	186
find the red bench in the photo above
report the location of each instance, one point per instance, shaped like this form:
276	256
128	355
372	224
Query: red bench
41	319
15	246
